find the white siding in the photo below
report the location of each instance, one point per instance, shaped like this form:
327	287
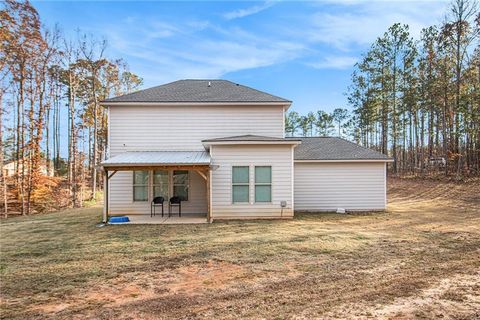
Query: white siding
182	128
159	128
328	186
121	196
279	157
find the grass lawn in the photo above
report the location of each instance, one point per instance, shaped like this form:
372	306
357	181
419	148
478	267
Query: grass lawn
421	259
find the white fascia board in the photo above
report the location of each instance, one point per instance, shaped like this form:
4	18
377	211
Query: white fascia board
346	160
195	104
215	143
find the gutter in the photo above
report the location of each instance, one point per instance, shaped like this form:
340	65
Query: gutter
286	104
250	142
344	160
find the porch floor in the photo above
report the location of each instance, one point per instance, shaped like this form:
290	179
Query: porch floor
186	218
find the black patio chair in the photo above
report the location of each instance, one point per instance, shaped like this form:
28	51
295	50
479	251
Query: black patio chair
175	201
156	202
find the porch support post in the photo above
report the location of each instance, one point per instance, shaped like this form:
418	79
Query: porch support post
209	196
105	197
106	194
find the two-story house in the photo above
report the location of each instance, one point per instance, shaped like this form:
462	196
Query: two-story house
221	148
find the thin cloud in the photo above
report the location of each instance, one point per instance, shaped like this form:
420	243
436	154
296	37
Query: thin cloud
318	37
364	22
334	62
208	51
240	13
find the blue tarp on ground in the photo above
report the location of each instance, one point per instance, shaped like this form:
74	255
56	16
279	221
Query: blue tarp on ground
118	220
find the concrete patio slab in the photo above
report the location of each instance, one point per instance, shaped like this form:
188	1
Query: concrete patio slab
158	219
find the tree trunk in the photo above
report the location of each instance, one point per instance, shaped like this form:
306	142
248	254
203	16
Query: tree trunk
2	176
95	133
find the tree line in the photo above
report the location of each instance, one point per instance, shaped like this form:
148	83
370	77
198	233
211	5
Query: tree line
320	123
413	99
420	99
416	100
48	82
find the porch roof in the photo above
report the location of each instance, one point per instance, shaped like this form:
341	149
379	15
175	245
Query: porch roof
157	158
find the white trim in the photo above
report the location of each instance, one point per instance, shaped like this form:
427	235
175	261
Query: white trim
385	183
293	181
106	204
210	172
107	155
196	104
346	160
211	154
256	142
210	181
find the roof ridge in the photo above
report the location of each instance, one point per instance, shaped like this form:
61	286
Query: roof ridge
263	92
198	79
311	137
252	135
197	91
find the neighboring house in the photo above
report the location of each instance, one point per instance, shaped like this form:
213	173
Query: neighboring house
221	147
10	169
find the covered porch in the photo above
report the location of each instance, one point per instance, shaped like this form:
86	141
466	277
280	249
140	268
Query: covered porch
134	179
187	218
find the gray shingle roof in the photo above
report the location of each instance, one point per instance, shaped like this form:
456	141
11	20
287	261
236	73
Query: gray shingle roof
199	91
333	148
143	158
249	137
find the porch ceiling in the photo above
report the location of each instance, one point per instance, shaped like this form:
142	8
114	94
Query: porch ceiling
157	159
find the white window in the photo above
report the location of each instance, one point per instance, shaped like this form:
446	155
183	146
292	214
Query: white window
160	184
240	185
263	184
140	185
180	184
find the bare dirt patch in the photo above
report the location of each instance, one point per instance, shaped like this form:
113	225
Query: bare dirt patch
186	280
455	297
197	278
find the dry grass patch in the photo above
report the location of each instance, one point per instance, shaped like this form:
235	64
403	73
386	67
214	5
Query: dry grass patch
421	259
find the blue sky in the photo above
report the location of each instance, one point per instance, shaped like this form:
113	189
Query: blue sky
302	51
